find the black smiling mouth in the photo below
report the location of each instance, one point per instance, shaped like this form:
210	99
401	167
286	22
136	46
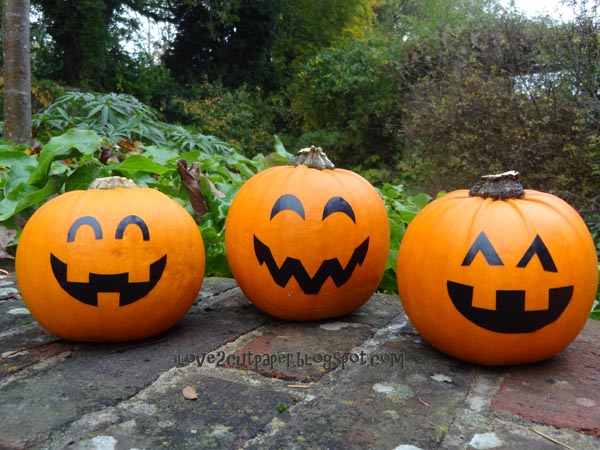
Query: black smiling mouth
119	282
510	315
293	267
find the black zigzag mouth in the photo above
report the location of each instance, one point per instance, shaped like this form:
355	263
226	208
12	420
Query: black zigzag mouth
119	283
292	267
510	315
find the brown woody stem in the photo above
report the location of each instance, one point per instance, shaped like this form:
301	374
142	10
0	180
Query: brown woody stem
313	157
502	186
112	183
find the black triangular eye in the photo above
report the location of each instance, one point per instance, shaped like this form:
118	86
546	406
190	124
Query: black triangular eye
287	202
482	244
538	248
338	204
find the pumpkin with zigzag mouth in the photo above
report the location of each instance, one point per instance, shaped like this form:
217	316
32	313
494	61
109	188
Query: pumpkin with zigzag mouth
307	241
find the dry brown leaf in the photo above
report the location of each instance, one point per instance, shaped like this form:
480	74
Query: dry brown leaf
189	393
192	187
6	237
214	191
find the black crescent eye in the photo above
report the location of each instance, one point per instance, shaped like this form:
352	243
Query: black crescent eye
85	220
338	204
132	220
287	202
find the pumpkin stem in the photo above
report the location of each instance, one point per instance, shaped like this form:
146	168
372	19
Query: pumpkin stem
502	186
112	183
313	157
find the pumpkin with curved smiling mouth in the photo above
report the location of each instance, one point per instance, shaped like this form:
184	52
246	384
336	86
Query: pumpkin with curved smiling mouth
498	274
87	292
113	263
509	315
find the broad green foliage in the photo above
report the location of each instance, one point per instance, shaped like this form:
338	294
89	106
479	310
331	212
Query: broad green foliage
71	161
401	208
93	136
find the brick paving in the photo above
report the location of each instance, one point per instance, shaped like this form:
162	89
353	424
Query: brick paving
363	381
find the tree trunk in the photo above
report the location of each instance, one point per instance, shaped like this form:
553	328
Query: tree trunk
17	71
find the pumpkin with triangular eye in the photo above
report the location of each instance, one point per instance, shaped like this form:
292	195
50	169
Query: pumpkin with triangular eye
498	274
113	263
307	241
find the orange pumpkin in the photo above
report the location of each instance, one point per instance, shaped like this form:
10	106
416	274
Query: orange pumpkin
307	241
498	275
113	263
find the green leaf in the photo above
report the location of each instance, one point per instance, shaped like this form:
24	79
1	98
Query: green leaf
9	208
421	200
389	282
81	178
10	158
140	163
280	149
82	141
161	155
21	167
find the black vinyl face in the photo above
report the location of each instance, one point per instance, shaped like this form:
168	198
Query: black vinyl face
87	292
293	267
510	315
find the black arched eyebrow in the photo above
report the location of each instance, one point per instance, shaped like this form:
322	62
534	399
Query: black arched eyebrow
85	220
338	204
287	202
132	220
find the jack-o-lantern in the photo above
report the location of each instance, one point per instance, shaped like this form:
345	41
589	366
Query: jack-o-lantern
307	241
113	263
498	274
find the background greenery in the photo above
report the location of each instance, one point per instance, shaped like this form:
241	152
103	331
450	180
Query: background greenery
98	135
419	96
